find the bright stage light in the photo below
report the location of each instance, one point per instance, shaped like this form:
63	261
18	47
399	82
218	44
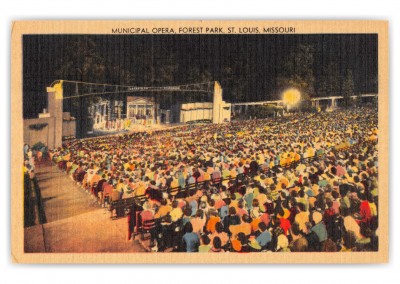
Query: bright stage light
291	97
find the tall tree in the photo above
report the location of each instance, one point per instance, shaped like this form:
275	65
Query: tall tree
82	62
329	81
348	89
296	71
236	80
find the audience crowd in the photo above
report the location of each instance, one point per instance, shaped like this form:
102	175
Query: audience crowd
300	183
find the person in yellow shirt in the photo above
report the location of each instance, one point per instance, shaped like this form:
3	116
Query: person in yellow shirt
176	212
163	210
302	217
174	183
140	188
233	173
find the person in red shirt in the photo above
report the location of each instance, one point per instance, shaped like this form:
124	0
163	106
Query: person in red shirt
285	225
330	211
365	210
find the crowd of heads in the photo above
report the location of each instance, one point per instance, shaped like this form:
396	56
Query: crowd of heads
305	182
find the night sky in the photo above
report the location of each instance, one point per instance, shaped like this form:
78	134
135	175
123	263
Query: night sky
264	54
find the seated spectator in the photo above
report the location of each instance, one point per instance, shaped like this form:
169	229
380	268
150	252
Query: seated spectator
191	241
302	217
264	236
214	219
205	245
319	227
282	244
216	247
312	239
299	242
241	211
244	242
163	210
176	212
244	227
220	234
231	219
198	222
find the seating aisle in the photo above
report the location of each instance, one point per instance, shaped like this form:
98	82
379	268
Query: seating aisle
73	222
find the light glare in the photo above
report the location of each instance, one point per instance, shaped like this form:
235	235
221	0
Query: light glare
291	97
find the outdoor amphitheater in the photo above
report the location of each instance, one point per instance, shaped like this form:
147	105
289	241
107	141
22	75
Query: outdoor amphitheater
298	182
201	143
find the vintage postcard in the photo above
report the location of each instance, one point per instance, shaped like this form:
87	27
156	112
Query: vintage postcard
199	142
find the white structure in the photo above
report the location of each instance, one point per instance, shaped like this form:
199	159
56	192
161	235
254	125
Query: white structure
196	111
221	109
140	108
217	112
205	111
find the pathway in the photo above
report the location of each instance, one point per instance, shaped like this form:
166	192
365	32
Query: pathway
70	220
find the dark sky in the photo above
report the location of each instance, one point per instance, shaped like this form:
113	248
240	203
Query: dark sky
43	54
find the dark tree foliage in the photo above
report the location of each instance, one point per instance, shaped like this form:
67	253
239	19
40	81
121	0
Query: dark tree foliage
249	67
329	80
348	90
297	71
